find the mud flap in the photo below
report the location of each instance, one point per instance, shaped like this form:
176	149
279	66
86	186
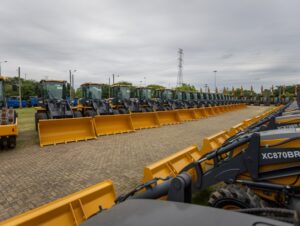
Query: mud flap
56	131
112	124
168	117
145	120
70	210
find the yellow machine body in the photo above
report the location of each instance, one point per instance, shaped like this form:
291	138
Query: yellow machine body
9	130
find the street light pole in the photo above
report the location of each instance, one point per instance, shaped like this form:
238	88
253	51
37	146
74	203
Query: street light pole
20	88
215	79
71	74
0	65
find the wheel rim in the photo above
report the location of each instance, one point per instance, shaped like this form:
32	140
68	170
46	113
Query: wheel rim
231	207
231	204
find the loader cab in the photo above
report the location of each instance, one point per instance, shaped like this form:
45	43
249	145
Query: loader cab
92	102
165	94
186	96
178	95
92	91
194	95
54	102
121	92
53	90
143	93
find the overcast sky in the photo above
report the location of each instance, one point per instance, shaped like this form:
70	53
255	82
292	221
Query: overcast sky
248	42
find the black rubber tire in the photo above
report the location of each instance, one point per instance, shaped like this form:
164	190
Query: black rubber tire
77	114
39	116
123	111
235	197
11	142
149	109
89	113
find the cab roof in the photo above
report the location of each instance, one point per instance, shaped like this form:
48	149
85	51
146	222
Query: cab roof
93	83
58	81
118	85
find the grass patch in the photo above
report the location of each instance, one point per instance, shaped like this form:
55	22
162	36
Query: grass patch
26	118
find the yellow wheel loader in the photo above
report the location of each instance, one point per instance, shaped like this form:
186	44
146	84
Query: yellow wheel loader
144	100
165	99
259	169
8	121
121	99
56	122
92	102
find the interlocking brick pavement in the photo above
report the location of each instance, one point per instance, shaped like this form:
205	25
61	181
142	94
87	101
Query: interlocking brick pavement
31	176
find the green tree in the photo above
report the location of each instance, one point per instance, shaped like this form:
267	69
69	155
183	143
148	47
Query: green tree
78	93
28	87
186	87
155	86
123	83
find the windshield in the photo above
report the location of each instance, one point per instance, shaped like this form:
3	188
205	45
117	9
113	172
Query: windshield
1	91
187	96
124	93
146	93
92	92
179	95
54	91
167	95
194	96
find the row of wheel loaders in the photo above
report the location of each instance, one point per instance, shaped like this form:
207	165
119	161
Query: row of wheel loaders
126	110
256	161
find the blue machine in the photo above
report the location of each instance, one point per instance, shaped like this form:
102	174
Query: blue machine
14	102
33	101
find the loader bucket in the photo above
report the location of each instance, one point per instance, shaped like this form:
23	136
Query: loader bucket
231	107
145	120
187	114
236	129
217	109
71	210
225	108
168	117
210	111
56	131
200	113
171	165
214	141
113	124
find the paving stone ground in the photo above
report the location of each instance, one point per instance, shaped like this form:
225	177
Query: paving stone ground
31	176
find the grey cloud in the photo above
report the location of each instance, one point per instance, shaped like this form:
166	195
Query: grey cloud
248	42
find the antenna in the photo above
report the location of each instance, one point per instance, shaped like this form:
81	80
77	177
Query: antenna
180	60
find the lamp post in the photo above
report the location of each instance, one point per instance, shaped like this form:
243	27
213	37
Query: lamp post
206	88
71	74
215	71
0	65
